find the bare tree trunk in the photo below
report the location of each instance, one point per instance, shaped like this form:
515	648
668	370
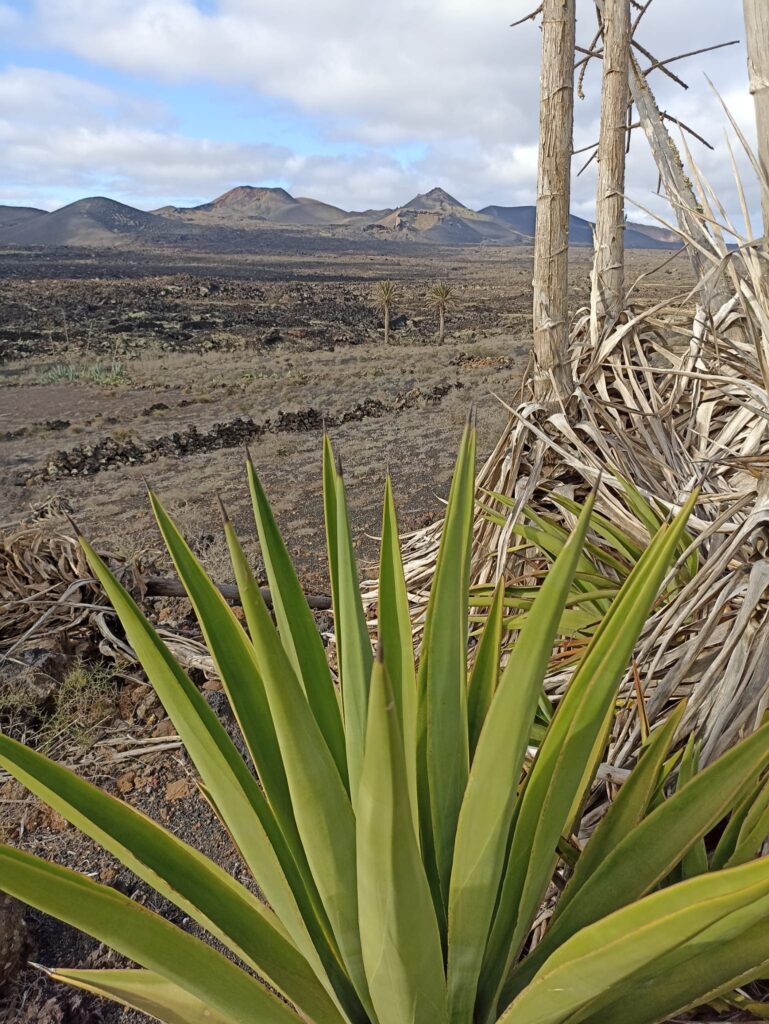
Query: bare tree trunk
680	191
674	179
387	325
757	37
552	373
609	280
441	324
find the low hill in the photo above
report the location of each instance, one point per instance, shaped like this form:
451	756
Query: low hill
96	221
250	216
637	236
247	203
658	233
438	217
10	215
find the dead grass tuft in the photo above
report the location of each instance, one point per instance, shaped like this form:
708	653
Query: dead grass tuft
70	714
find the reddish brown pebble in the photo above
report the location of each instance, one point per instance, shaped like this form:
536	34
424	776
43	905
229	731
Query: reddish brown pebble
164	728
177	790
125	782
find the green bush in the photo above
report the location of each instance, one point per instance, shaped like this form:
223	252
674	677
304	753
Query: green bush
111	376
403	835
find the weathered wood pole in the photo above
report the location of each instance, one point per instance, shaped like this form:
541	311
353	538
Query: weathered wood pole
757	39
714	290
552	379
675	181
609	277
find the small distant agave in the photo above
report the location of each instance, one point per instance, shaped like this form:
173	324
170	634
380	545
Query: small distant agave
405	842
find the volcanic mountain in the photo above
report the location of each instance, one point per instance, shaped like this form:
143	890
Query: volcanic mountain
10	215
96	221
438	217
523	219
249	215
248	203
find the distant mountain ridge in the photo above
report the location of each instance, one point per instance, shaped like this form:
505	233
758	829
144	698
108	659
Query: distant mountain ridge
10	215
637	236
433	217
96	221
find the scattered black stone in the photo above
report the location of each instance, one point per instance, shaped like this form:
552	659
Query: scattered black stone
35	428
467	359
112	453
272	337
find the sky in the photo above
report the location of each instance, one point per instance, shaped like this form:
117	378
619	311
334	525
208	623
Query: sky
356	103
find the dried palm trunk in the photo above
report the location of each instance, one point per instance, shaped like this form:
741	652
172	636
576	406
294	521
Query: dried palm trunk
757	37
680	191
552	371
609	277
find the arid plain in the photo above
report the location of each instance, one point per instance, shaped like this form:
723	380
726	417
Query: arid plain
120	367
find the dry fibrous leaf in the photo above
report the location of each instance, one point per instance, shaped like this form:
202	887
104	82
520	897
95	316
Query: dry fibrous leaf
667	399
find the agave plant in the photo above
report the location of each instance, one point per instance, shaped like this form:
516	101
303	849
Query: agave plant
418	864
608	557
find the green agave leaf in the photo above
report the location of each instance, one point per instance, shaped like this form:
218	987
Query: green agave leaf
296	626
399	930
738	1001
651	518
144	937
179	872
491	795
625	812
614	949
443	756
551	539
727	843
641	508
238	799
322	808
565	763
238	670
572	621
695	860
726	955
144	991
625	546
485	675
619	539
329	510
313	908
647	854
482	596
586	580
627	809
396	641
754	830
597	594
353	643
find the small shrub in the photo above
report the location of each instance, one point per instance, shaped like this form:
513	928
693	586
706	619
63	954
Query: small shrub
114	375
71	711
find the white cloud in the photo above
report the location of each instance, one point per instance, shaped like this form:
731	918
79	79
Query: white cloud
58	130
453	78
387	73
